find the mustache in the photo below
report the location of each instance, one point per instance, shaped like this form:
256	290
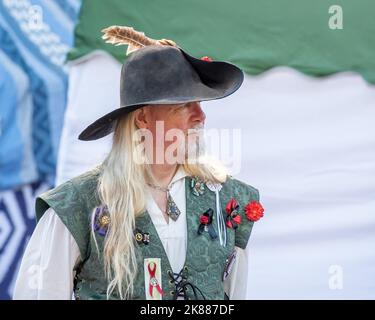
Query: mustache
196	129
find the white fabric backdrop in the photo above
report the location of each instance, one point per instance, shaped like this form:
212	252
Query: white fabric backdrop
308	145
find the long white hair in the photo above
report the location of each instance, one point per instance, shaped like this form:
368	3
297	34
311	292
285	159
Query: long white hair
122	185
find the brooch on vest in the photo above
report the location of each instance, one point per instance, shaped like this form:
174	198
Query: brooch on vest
152	274
229	263
101	220
141	237
197	186
205	221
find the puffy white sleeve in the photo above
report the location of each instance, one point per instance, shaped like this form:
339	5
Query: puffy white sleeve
46	271
235	285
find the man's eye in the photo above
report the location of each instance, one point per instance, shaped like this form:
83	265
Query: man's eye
182	106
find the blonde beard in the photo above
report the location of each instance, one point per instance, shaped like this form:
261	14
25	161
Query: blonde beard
195	144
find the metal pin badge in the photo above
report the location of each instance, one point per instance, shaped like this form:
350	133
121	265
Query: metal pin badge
197	186
142	237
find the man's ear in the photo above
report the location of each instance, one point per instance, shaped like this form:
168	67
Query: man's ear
141	118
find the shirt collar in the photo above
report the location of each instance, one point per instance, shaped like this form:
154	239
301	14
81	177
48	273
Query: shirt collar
180	174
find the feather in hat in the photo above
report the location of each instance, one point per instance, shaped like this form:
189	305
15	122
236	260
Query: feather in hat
122	35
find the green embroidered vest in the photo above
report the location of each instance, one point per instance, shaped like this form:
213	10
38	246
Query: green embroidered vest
75	200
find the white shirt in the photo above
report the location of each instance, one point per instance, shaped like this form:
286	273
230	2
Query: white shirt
46	271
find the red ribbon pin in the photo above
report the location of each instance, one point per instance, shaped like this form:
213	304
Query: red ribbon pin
153	281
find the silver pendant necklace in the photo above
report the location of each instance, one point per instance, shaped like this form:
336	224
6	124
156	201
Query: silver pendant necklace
172	210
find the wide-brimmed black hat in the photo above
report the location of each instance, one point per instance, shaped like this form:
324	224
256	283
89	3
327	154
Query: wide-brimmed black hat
161	74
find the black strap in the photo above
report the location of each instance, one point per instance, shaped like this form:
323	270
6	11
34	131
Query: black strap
181	284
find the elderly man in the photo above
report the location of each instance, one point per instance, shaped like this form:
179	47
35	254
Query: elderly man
155	220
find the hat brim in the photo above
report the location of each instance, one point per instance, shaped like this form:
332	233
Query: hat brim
219	79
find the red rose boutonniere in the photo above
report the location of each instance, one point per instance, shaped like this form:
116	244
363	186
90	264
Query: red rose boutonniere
233	216
254	210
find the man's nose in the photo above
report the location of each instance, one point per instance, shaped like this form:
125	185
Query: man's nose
197	113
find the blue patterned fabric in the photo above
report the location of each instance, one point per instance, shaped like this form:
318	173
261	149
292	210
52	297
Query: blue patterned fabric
34	39
35	36
17	222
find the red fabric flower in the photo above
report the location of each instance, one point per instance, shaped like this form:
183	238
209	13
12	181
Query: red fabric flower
236	219
254	210
206	58
203	219
231	205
